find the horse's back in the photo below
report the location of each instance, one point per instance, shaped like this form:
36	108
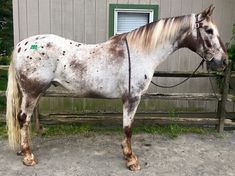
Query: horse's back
86	69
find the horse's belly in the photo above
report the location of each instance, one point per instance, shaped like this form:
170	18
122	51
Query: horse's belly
91	85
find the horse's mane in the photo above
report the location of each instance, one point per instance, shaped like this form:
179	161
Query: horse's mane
153	34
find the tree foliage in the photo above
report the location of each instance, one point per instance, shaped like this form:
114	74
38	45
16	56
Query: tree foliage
6	28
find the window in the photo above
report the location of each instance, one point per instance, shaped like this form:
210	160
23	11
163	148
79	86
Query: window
126	17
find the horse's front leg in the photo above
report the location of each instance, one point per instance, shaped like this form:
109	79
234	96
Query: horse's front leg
130	105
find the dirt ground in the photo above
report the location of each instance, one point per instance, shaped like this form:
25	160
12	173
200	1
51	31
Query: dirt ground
101	155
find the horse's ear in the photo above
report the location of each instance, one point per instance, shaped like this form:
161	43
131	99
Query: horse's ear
210	10
207	13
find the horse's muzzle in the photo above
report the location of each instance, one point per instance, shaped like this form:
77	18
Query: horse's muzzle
217	65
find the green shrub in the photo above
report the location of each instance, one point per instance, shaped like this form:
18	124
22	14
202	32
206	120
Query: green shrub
3	86
4	60
6	28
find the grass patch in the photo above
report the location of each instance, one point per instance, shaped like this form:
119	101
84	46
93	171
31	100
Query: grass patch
3	86
65	130
171	131
3	131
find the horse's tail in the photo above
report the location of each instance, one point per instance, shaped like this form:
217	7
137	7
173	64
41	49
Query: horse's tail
13	108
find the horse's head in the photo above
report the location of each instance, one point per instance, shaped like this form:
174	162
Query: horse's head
207	42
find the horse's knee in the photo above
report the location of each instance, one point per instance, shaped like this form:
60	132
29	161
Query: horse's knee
21	118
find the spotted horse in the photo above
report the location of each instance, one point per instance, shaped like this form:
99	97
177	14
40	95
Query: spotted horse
122	67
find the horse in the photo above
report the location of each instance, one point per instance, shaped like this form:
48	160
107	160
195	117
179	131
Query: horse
122	67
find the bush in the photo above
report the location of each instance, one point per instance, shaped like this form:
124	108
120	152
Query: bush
4	60
6	28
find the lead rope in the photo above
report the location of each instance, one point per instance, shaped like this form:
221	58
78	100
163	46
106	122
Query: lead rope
190	76
129	69
198	25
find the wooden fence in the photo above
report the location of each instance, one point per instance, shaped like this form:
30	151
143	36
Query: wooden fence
222	97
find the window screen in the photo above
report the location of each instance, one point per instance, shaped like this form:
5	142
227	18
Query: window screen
127	21
126	17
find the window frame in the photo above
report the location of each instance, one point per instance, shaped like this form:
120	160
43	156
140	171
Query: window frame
138	8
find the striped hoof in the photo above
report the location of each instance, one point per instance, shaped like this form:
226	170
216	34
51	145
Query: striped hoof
132	163
29	160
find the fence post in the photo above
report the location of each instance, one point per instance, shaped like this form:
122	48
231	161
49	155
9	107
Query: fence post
37	120
224	94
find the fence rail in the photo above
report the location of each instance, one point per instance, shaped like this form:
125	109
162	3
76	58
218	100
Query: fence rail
222	98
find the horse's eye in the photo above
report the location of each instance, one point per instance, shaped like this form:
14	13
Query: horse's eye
209	31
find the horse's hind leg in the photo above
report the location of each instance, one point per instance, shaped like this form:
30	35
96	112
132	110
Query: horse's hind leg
27	107
129	108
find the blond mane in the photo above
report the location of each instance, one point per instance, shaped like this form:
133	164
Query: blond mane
152	35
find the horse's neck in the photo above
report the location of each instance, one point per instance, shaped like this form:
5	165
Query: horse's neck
172	36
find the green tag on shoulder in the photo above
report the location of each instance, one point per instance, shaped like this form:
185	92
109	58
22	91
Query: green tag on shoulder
34	47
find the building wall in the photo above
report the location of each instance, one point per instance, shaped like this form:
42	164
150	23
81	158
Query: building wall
87	21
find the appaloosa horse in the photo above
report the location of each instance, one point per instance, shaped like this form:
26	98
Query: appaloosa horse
121	67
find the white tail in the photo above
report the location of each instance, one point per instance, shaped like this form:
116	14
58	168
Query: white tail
13	107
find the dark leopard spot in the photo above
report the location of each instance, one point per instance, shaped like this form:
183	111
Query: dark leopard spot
49	45
19	49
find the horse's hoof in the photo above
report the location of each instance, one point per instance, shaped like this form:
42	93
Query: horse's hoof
132	163
29	160
134	167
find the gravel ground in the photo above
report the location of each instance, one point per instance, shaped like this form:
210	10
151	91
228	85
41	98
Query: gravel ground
101	155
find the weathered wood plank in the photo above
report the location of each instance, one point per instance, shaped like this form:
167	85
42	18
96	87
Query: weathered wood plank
222	102
23	22
58	119
44	17
33	17
90	21
16	21
185	74
56	17
79	21
182	96
4	67
133	1
173	96
101	21
68	19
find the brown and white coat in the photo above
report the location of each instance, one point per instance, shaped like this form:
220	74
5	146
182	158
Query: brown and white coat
102	70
